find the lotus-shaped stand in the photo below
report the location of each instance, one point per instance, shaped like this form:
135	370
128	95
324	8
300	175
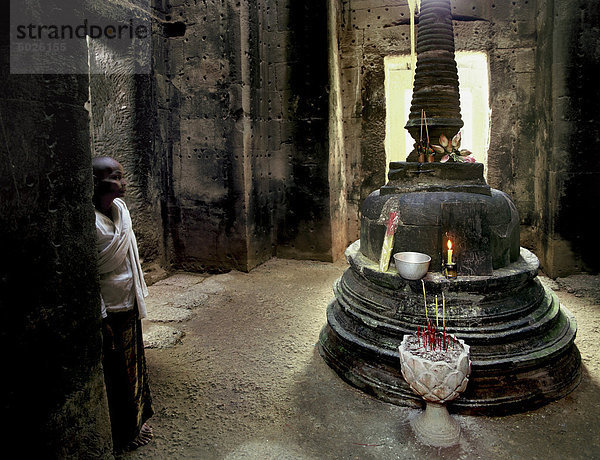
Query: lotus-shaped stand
438	377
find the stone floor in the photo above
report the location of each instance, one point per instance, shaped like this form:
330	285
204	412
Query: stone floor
235	374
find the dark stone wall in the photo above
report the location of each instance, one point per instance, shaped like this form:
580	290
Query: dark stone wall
205	221
305	230
243	106
226	145
567	171
506	30
581	193
53	403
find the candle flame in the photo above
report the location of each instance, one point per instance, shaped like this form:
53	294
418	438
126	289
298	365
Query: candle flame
449	244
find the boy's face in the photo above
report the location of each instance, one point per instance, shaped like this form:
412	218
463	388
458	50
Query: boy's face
111	181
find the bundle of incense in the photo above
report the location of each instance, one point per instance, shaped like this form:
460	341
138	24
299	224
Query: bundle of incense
388	242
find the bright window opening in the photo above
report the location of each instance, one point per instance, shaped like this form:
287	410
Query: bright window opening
473	77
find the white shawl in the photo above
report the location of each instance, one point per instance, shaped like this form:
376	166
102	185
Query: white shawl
114	248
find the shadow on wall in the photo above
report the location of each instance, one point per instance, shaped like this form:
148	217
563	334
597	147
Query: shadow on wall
581	191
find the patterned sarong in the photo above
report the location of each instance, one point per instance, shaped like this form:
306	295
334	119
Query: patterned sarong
126	377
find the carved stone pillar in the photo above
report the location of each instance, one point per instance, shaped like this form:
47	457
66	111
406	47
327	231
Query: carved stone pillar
435	89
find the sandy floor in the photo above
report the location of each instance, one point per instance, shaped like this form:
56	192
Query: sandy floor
235	374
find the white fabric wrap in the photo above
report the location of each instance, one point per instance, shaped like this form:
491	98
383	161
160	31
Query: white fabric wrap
123	244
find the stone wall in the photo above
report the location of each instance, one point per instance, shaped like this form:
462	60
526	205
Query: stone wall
339	175
243	109
566	168
52	386
125	125
122	126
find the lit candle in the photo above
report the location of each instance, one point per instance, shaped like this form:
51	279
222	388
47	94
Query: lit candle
449	252
437	324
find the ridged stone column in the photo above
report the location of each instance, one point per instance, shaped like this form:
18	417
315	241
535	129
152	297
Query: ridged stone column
435	87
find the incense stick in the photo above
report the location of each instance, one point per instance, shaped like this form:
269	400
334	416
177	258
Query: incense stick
426	130
421	138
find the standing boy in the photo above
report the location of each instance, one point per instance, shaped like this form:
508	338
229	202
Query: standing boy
123	289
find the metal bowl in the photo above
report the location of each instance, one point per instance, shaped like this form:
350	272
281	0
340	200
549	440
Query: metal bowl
412	265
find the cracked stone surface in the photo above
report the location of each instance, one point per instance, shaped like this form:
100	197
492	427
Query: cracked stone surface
172	300
158	336
165	314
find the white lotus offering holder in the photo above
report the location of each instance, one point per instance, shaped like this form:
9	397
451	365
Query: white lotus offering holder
438	376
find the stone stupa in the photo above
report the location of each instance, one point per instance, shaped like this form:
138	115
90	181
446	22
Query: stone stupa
521	338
